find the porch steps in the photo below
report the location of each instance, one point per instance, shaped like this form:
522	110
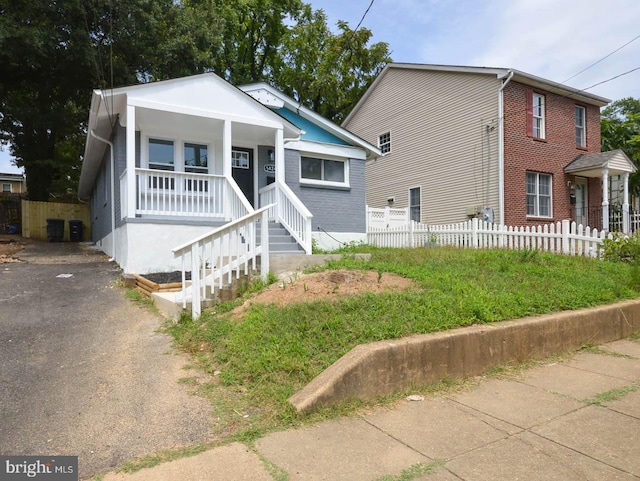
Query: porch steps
280	241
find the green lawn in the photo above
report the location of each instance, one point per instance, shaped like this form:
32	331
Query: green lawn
271	353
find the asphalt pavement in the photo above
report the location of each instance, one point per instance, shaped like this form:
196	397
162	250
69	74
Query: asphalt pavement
83	370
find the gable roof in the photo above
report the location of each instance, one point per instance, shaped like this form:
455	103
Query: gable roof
204	95
499	73
325	131
591	165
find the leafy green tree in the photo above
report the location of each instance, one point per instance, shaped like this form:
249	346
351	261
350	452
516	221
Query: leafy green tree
329	72
621	130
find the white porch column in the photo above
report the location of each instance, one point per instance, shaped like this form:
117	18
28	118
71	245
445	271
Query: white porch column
226	166
605	199
280	155
625	205
226	149
131	161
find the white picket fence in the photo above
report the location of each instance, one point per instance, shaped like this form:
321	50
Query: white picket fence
563	237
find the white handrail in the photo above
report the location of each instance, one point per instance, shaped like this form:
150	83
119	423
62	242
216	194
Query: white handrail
215	256
290	212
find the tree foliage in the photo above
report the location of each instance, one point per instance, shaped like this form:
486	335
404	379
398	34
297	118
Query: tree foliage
53	53
621	130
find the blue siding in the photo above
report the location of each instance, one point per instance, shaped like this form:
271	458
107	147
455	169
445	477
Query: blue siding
312	131
333	209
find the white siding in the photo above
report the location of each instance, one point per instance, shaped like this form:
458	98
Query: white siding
439	141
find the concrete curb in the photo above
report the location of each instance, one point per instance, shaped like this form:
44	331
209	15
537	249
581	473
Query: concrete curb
380	368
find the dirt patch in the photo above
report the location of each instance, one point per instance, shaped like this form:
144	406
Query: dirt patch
334	284
9	246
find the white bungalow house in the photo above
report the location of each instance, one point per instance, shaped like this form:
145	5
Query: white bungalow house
166	163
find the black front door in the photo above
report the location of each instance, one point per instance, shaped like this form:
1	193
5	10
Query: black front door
242	170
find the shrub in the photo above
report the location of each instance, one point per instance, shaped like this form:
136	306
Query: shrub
622	248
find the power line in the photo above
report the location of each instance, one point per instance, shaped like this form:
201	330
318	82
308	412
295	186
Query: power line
603	58
610	79
363	16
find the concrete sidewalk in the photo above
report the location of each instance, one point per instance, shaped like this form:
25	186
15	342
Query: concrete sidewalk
574	420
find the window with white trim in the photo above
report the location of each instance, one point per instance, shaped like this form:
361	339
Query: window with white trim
240	159
539	194
384	142
6	187
195	158
415	204
323	171
581	138
161	155
538	116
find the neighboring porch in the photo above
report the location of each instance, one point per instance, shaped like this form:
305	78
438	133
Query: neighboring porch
603	204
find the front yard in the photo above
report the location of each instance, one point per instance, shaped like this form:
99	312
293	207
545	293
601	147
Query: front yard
259	350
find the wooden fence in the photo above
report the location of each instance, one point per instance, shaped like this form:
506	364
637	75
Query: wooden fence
563	237
35	215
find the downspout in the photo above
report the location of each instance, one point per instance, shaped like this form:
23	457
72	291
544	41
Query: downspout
113	191
501	146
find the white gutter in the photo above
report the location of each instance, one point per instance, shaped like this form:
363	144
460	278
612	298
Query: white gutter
113	192
501	146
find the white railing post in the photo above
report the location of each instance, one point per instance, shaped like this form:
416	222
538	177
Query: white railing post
196	302
264	242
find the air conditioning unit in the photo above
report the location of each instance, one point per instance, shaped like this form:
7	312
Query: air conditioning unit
474	210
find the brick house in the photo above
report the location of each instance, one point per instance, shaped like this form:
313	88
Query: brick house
509	146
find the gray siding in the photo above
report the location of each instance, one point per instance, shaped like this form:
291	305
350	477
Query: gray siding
333	209
100	206
439	141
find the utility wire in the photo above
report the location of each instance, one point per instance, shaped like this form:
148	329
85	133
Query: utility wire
610	79
363	16
603	58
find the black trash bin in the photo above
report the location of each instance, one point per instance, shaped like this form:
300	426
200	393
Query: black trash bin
55	230
75	230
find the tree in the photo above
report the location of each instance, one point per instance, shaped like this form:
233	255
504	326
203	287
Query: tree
621	130
329	72
52	54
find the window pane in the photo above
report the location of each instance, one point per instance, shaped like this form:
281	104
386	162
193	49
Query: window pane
531	204
240	159
311	168
414	204
195	158
334	171
545	206
531	183
545	185
161	154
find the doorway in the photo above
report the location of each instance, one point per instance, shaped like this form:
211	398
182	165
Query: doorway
582	202
242	171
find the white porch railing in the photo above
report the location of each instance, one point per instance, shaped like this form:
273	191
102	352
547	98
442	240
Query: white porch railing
166	193
215	257
289	211
563	237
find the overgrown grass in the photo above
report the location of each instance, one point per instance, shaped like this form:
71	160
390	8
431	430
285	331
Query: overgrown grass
274	351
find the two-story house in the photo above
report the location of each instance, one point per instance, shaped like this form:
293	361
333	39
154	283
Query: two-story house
12	183
462	142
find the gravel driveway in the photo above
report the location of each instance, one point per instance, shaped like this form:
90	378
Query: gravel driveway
83	371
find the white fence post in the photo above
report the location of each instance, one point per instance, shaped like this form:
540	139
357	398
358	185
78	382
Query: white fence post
474	233
565	236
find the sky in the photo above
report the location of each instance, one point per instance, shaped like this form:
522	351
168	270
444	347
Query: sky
553	39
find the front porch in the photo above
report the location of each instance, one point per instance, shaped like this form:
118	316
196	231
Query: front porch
612	213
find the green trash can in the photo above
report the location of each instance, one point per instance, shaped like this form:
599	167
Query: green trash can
75	230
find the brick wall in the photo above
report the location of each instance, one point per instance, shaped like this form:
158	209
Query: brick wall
523	153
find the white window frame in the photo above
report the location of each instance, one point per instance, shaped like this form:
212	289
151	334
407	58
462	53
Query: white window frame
419	205
4	189
537	195
244	152
179	145
147	152
581	129
538	111
384	142
320	182
196	170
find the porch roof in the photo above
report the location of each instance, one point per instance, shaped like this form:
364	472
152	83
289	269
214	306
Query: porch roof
591	165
